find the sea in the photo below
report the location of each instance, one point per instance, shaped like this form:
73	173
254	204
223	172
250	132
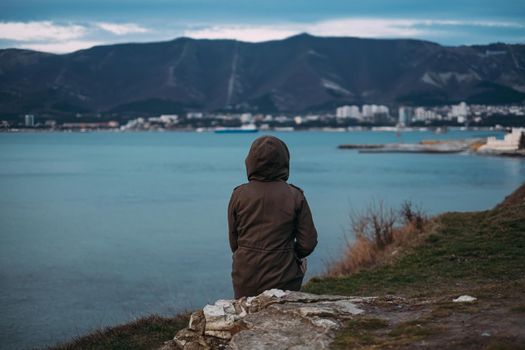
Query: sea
97	229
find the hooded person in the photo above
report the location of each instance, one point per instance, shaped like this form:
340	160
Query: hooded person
270	223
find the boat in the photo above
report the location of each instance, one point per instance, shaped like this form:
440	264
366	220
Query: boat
249	128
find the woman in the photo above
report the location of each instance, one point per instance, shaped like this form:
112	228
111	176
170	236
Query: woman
270	224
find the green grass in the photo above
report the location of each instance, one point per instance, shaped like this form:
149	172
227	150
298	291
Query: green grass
359	332
482	253
145	333
464	248
519	309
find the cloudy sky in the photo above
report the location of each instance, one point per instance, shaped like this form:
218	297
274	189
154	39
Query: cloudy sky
67	25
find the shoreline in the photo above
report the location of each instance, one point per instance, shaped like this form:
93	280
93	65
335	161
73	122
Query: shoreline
470	146
327	130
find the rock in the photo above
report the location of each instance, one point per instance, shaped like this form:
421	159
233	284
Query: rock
218	334
169	345
197	322
274	319
277	293
221	316
464	299
188	339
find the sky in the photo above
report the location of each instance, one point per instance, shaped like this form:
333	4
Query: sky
62	26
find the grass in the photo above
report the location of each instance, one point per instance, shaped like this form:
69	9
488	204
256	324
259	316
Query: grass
145	333
375	333
380	233
477	253
359	332
464	247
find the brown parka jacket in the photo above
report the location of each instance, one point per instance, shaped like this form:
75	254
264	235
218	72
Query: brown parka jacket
270	223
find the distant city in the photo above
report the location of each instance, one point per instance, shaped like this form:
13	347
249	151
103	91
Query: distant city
343	118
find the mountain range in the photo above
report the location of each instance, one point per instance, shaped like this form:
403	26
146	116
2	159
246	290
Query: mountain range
298	74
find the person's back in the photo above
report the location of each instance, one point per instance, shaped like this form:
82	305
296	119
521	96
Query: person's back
270	224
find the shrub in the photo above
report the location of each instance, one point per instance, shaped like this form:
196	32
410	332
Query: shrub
379	234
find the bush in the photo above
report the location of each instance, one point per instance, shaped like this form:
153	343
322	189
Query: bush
379	232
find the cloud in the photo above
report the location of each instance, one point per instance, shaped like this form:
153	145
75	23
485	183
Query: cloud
471	23
66	37
60	38
40	30
122	28
367	28
243	33
358	27
61	47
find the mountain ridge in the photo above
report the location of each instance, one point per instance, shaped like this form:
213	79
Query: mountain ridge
297	74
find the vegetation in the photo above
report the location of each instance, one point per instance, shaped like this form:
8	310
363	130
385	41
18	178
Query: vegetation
145	333
379	233
476	253
467	247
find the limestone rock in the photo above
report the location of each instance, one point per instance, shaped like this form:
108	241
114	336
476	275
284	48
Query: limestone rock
197	322
464	299
275	319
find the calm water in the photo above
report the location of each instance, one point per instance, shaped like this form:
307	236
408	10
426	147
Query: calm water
99	228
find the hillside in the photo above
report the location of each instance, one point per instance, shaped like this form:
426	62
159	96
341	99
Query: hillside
479	254
301	73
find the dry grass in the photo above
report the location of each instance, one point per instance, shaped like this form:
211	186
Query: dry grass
144	333
380	233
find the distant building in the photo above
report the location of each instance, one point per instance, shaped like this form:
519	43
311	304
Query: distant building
375	112
194	115
355	113
423	114
382	110
246	118
405	116
368	111
169	118
29	120
348	112
460	112
511	142
342	112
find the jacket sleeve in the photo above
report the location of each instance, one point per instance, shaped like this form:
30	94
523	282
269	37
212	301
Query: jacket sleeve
305	233
232	224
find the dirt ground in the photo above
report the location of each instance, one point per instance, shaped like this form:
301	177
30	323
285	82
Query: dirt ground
495	320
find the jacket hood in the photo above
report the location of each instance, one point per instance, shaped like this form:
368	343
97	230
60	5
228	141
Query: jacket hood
268	160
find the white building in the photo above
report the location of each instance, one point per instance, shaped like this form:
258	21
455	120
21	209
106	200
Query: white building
382	110
169	118
355	112
510	142
371	111
368	111
422	114
246	118
460	111
343	112
348	112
